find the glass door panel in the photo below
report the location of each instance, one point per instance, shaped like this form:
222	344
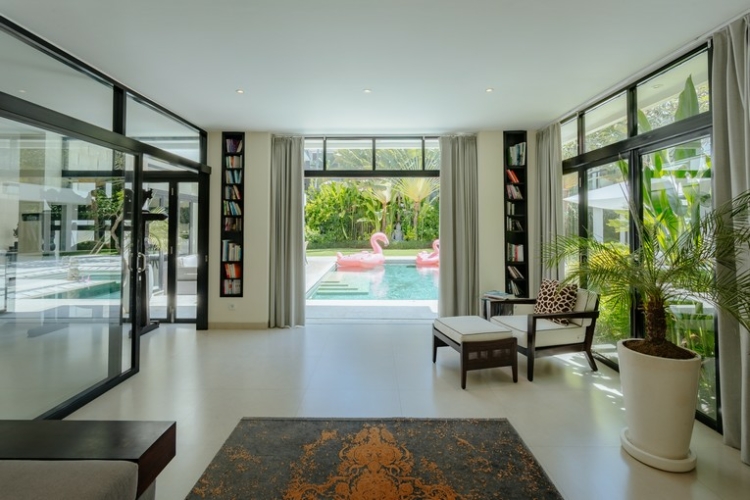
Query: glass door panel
64	256
676	191
608	220
187	251
157	251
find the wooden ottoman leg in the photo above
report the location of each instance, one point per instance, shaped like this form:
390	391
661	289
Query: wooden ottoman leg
464	362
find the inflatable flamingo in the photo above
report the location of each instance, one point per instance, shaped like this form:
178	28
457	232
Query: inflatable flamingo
425	259
364	259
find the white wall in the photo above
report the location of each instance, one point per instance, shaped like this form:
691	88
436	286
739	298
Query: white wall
251	310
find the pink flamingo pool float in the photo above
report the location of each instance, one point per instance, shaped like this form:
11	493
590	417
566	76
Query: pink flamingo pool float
364	259
426	259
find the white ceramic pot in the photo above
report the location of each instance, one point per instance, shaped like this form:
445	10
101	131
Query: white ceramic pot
660	396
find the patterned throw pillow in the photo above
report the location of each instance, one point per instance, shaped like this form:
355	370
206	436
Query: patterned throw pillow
553	298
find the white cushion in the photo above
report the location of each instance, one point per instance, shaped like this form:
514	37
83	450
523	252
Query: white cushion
548	333
585	301
470	329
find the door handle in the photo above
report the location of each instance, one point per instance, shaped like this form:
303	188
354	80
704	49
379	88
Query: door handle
141	263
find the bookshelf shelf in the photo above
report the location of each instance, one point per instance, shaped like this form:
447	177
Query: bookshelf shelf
232	209
516	213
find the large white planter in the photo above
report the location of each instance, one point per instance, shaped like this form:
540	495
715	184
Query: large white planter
660	396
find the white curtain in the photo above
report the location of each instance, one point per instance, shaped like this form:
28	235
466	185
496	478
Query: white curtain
730	93
459	277
287	267
549	162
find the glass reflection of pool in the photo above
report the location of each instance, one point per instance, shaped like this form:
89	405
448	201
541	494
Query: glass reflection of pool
393	281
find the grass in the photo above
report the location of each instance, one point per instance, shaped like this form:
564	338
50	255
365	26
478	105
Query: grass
331	252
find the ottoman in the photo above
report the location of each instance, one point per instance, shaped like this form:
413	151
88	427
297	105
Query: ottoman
480	343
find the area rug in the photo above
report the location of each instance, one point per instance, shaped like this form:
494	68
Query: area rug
374	459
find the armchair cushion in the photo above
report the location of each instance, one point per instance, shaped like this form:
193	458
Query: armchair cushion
548	333
553	298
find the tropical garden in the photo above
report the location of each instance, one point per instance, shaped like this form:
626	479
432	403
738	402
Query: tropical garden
342	213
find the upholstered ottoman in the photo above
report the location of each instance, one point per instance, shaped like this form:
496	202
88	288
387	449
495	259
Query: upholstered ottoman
480	343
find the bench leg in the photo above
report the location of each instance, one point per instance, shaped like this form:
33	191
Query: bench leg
434	348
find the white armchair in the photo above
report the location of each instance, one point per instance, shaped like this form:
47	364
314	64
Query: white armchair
542	334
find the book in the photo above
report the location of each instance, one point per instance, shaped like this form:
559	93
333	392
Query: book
497	294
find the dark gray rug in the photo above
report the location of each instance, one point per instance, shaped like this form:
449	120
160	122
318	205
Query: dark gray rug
374	459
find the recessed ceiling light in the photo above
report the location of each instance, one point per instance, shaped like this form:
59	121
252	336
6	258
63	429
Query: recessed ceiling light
367	91
22	91
240	91
657	86
489	90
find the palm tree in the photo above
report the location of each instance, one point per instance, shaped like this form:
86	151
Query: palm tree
707	262
417	189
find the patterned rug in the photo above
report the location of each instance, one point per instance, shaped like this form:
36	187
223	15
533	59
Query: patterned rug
374	459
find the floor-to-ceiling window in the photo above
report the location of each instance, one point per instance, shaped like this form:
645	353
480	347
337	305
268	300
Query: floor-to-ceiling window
73	269
356	187
645	150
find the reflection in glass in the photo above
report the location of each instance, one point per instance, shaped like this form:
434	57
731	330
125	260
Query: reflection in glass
569	138
65	242
149	125
398	154
606	123
608	221
187	251
313	154
349	154
678	93
676	191
29	74
432	154
570	209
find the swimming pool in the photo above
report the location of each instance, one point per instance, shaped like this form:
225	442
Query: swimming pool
393	281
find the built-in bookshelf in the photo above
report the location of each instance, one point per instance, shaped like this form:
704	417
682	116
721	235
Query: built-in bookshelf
516	214
232	213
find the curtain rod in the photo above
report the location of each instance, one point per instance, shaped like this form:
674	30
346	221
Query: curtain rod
704	38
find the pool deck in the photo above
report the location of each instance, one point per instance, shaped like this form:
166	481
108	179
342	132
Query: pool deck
350	310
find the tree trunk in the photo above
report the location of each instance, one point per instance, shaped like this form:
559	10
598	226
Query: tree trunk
416	219
656	320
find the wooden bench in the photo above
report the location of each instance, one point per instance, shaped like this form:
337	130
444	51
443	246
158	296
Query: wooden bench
150	445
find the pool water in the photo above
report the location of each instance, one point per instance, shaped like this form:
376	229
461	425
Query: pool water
393	281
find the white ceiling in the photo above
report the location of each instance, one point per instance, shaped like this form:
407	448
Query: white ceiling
303	64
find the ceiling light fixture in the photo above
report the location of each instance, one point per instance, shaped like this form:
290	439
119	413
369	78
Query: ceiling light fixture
240	91
22	91
657	86
367	91
489	90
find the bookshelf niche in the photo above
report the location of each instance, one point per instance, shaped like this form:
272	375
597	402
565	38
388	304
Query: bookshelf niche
232	209
516	214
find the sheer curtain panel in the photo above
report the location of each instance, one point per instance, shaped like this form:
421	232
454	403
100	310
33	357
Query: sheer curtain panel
287	267
549	160
730	93
459	279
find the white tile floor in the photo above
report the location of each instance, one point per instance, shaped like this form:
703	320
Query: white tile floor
569	416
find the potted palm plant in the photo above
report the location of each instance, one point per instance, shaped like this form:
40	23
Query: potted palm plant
705	264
